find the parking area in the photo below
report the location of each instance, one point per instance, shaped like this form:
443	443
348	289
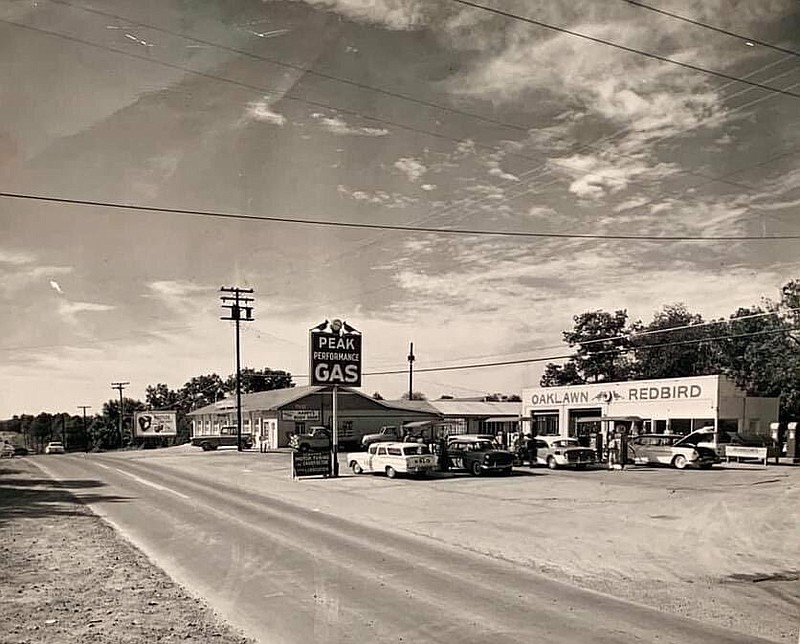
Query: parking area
718	545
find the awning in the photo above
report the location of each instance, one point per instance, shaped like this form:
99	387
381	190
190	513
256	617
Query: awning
502	419
597	419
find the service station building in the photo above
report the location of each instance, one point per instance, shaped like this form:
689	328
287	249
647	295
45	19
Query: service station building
670	405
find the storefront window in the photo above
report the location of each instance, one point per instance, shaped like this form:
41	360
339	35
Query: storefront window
680	425
545	424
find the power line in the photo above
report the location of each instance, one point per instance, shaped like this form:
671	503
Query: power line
306	70
747	39
393	227
631	50
506	363
312	103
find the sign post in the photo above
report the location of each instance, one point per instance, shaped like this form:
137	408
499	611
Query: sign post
335	360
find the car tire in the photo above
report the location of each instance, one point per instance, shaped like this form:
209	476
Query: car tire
706	466
580	466
679	462
551	462
391	472
475	470
357	469
507	471
206	447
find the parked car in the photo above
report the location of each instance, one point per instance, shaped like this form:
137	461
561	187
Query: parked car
19	450
385	435
317	439
478	456
6	450
670	449
54	447
393	459
227	437
558	451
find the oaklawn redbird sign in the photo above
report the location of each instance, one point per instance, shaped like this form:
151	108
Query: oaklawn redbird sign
335	355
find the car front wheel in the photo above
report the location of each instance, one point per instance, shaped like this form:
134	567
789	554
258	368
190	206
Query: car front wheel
551	462
679	462
476	469
357	469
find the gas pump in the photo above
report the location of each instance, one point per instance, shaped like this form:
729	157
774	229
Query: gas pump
777	434
793	442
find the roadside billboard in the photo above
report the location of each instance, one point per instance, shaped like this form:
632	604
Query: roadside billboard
155	423
335	355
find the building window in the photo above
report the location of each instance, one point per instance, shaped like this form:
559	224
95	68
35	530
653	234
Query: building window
545	423
680	425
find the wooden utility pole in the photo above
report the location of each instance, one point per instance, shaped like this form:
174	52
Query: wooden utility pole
85	433
120	386
241	309
411	359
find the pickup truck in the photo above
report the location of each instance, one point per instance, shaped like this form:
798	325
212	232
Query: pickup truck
385	435
318	439
226	438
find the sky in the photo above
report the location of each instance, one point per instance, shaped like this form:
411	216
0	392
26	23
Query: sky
398	112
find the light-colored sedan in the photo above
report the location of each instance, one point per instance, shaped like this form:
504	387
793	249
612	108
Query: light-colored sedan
55	447
558	451
393	459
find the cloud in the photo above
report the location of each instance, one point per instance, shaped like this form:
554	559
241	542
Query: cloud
338	126
596	175
496	171
259	111
56	287
16	258
428	186
377	197
176	288
411	167
393	14
69	310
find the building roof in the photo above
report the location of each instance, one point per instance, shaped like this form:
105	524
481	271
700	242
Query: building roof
276	399
464	408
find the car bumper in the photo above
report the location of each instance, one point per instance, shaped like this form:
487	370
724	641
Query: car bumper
495	468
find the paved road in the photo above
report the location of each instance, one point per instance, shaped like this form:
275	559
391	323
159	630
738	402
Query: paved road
287	574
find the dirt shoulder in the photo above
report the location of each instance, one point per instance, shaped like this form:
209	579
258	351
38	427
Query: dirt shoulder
66	576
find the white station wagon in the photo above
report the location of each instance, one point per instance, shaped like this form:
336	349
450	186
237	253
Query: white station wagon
393	459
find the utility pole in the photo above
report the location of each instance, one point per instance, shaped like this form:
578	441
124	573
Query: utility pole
85	433
411	359
120	386
241	309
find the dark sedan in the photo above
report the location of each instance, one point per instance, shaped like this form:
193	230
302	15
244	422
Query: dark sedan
478	456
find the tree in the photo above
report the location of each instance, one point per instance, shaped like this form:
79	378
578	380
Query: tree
260	380
109	427
160	396
201	391
561	375
602	340
663	353
415	395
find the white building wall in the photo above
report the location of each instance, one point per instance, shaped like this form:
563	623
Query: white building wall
676	404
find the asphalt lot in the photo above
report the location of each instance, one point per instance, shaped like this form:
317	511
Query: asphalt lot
719	546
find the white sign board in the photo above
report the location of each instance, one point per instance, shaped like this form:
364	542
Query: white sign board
300	415
155	423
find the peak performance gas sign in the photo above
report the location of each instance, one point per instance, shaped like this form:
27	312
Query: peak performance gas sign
335	359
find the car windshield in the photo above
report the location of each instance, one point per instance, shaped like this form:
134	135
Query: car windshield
415	450
481	446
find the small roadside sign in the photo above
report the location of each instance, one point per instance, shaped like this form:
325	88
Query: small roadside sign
311	464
